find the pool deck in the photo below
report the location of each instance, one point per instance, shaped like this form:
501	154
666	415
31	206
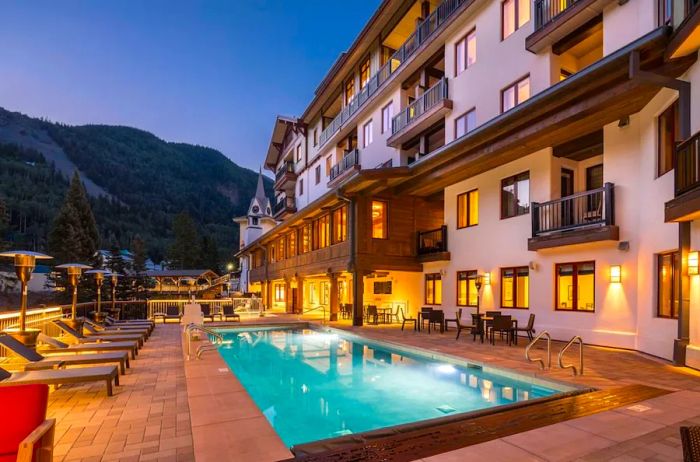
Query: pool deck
169	408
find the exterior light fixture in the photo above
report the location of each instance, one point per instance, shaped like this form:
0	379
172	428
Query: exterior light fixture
616	274
693	268
487	279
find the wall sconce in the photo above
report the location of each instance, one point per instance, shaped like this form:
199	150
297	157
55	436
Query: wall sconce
616	274
487	279
693	268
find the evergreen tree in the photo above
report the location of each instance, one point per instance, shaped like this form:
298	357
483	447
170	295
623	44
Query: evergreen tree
116	264
140	282
185	251
210	254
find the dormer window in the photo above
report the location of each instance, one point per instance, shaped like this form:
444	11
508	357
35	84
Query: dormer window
254	221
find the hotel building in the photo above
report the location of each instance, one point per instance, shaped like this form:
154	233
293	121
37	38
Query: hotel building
549	149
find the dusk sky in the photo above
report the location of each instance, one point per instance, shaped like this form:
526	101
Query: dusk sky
213	73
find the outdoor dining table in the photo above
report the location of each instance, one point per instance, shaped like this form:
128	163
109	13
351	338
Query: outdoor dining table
427	316
484	319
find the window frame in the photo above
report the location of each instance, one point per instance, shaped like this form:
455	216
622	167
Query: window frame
467	195
514	86
675	274
388	108
575	265
298	152
368	64
515	287
516	18
301	186
515	184
673	107
317	173
468	274
385	220
431	278
369	124
339	225
465	57
465	116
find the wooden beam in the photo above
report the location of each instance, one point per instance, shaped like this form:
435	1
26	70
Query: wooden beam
582	33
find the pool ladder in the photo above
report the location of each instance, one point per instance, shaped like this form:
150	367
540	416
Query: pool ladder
218	340
545	366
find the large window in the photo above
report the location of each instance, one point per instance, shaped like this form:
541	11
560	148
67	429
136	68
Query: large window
668	126
515	287
364	73
433	289
668	272
465	123
387	116
379	220
367	134
329	165
318	174
305	238
292	244
350	90
340	224
281	248
515	94
515	195
279	292
468	209
514	15
575	286
467	295
322	232
465	52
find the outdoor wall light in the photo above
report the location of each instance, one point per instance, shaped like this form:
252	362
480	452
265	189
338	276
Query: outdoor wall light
616	274
693	269
487	279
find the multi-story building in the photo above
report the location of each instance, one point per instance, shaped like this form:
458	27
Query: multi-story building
541	150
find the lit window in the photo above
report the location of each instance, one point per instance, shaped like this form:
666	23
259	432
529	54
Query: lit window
515	94
292	244
433	289
468	209
466	288
515	195
465	123
465	52
367	134
350	90
575	286
379	220
668	273
279	293
340	224
669	133
515	287
321	232
281	248
387	116
364	73
306	238
514	15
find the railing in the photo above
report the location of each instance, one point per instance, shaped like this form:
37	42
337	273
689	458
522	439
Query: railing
424	103
426	29
240	305
687	171
544	366
286	203
286	167
579	371
433	241
547	11
217	339
581	210
350	160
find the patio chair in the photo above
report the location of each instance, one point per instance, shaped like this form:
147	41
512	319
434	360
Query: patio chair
229	312
98	336
51	345
502	324
437	317
489	323
461	326
477	327
206	312
454	320
346	310
424	316
171	312
37	361
404	320
393	315
27	435
372	313
529	329
690	438
105	374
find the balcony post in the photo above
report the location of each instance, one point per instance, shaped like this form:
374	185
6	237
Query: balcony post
535	216
609	197
444	238
683	287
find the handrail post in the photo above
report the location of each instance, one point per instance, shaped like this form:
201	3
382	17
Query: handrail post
544	367
560	358
535	217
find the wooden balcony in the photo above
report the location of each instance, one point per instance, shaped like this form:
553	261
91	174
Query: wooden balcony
557	19
432	245
285	177
685	206
430	107
344	168
283	208
583	217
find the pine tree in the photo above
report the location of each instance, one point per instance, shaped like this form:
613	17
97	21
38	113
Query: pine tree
210	254
185	251
116	264
140	282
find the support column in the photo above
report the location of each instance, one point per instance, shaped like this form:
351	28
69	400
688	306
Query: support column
287	296
680	344
358	295
300	295
333	278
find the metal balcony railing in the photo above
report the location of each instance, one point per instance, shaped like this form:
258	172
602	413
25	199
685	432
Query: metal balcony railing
547	11
288	203
433	241
580	210
286	167
426	29
350	160
687	169
424	103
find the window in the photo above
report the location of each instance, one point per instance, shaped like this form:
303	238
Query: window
271	253
340	224
665	12
350	90
279	293
575	286
301	186
299	153
514	15
465	52
466	288
292	244
281	248
364	73
433	289
379	220
468	209
515	94
329	165
515	195
387	116
465	123
318	174
306	238
514	287
668	272
668	127
315	136
321	234
367	134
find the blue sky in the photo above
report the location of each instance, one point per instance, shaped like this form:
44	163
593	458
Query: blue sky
213	73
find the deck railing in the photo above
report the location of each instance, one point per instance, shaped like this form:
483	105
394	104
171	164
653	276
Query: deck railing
240	305
286	203
432	241
424	103
547	11
286	167
687	171
426	29
581	210
350	160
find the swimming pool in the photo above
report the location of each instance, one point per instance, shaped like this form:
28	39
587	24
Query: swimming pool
314	384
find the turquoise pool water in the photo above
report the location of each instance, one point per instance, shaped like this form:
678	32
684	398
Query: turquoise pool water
312	385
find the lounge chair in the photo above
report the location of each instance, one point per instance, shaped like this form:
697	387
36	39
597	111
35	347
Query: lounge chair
50	345
110	321
171	312
690	438
404	320
529	329
37	361
98	337
105	374
230	312
206	312
96	328
27	435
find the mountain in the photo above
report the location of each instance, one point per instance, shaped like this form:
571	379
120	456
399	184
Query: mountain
137	183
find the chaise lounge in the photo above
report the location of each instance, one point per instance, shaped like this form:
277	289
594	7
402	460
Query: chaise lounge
50	345
98	337
105	374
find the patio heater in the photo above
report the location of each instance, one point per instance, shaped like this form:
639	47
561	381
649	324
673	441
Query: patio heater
99	279
74	271
114	278
25	261
478	284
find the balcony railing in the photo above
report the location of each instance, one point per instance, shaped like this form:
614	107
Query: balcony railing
433	241
547	10
424	103
350	160
288	203
286	167
687	169
426	29
581	210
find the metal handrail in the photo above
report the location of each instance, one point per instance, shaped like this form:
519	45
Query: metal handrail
578	371
191	327
544	333
205	347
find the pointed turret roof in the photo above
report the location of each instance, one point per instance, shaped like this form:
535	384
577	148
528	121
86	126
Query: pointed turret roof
260	190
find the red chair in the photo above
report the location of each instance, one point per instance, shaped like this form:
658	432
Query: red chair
25	433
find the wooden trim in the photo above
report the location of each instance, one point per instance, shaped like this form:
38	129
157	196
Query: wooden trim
515	184
514	85
432	277
515	287
674	283
466	47
468	209
386	218
574	279
579	236
476	272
